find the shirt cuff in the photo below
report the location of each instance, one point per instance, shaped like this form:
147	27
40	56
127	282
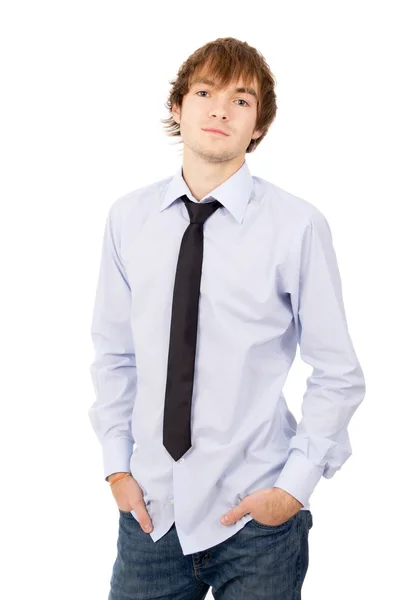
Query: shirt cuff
299	477
116	453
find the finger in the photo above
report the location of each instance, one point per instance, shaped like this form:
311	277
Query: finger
236	513
230	517
143	518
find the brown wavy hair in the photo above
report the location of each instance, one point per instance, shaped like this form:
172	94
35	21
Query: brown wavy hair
225	60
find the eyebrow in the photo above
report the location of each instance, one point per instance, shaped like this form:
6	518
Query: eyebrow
239	90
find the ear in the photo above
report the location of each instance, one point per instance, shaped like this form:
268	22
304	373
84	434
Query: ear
176	112
257	133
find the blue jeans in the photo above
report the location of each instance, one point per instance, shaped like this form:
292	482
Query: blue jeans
268	562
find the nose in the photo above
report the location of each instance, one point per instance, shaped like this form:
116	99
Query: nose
219	110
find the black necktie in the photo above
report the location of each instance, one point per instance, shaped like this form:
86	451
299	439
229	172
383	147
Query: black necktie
183	331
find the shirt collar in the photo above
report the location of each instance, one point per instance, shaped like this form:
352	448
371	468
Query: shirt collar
234	193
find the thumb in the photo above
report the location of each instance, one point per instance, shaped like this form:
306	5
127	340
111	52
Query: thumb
143	517
233	515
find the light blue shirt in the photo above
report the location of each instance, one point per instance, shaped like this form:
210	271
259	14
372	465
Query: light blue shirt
270	281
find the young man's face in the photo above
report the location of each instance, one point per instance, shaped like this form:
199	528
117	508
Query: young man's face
233	112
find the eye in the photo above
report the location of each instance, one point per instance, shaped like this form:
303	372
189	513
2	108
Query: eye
239	99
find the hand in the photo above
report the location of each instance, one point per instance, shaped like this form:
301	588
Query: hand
269	506
129	496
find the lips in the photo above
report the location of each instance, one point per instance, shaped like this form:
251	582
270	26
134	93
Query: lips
211	130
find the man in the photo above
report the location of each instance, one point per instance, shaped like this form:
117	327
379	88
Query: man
208	281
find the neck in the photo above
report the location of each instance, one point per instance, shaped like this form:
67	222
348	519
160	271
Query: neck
202	177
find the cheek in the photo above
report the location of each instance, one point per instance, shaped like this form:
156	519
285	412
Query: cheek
250	121
189	116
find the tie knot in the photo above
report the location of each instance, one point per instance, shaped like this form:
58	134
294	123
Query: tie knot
200	211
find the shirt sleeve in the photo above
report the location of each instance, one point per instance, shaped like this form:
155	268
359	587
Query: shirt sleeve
336	386
113	372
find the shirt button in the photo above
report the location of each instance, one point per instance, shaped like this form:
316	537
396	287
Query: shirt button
171	500
181	460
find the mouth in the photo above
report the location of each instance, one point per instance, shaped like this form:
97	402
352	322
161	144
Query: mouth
216	132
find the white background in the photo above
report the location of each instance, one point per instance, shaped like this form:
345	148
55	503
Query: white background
84	86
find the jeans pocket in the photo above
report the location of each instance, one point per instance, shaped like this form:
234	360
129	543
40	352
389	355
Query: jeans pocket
274	527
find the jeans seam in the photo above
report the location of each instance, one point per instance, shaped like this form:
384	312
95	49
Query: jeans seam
297	593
